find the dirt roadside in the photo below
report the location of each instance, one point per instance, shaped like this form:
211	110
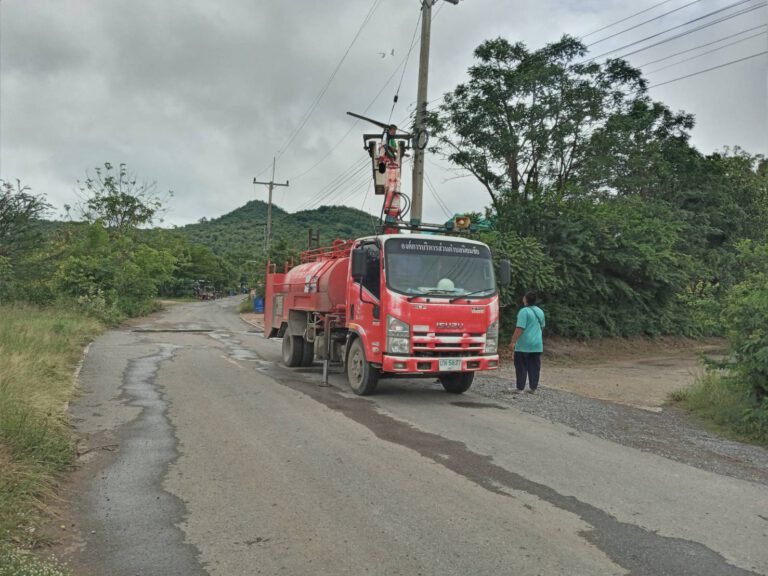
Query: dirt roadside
637	372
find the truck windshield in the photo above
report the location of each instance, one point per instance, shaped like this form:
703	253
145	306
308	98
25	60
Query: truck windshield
439	267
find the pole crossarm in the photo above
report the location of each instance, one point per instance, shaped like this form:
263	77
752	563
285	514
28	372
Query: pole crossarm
271	183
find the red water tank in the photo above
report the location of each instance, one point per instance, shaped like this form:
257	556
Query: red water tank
319	286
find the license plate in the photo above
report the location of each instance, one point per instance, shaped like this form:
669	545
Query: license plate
449	364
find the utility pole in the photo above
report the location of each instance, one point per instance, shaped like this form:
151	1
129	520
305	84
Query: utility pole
420	133
313	239
271	184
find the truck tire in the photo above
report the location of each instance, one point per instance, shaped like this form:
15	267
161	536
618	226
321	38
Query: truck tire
458	382
307	352
293	350
362	377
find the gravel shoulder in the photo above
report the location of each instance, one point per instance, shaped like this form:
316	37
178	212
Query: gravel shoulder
669	432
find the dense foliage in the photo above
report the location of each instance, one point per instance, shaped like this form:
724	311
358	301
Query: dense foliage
733	395
240	234
745	319
109	263
617	220
105	264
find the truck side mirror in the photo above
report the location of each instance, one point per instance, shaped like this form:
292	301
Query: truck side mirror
357	268
505	273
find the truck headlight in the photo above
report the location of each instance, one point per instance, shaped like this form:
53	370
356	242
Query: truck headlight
492	339
398	336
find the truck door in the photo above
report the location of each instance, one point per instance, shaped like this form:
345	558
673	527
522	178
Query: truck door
365	302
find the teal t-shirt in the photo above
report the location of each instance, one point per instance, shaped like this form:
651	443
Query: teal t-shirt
531	320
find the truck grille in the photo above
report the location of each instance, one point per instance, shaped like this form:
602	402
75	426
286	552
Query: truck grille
448	344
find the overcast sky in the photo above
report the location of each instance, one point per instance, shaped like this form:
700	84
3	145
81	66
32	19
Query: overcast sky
199	95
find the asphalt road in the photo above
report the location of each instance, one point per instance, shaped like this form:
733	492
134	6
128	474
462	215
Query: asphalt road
205	456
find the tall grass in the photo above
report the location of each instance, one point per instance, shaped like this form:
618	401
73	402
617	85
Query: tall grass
39	351
246	305
727	406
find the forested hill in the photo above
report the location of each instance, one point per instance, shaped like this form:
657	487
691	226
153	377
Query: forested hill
243	228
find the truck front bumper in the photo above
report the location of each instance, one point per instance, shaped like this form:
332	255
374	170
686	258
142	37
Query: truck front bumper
430	365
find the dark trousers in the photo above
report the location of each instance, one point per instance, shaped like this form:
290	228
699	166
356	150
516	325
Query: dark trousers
527	364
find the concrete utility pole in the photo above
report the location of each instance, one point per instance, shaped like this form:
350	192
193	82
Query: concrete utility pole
271	185
420	133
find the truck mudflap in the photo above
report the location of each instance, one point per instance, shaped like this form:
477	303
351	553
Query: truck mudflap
435	365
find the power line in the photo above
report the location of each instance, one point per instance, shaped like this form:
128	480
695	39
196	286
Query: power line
440	203
344	174
330	190
636	42
644	23
355	122
328	153
352	127
354	185
405	67
437	12
260	172
710	69
326	192
701	27
348	175
357	168
344	193
365	198
705	53
403	63
361	185
702	45
319	97
625	19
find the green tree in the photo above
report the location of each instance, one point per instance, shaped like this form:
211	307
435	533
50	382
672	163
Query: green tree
746	313
20	233
19	212
112	268
118	200
520	123
529	124
112	277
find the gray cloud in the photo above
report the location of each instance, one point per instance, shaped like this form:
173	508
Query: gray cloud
200	95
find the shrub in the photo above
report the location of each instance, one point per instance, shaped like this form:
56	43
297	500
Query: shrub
745	318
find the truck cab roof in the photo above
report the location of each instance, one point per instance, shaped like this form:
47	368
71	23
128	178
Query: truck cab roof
384	238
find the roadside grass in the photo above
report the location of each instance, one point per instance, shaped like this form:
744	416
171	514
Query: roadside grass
726	407
39	351
176	299
245	306
15	562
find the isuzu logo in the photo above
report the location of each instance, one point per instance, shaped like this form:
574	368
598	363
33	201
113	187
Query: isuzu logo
450	325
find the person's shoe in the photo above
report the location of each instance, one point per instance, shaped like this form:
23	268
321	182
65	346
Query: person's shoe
531	390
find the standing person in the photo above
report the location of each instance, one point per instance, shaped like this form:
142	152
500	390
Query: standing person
528	344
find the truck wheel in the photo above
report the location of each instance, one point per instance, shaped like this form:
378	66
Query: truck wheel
293	350
457	383
307	352
362	377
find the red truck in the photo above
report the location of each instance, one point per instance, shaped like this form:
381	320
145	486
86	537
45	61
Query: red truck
399	304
